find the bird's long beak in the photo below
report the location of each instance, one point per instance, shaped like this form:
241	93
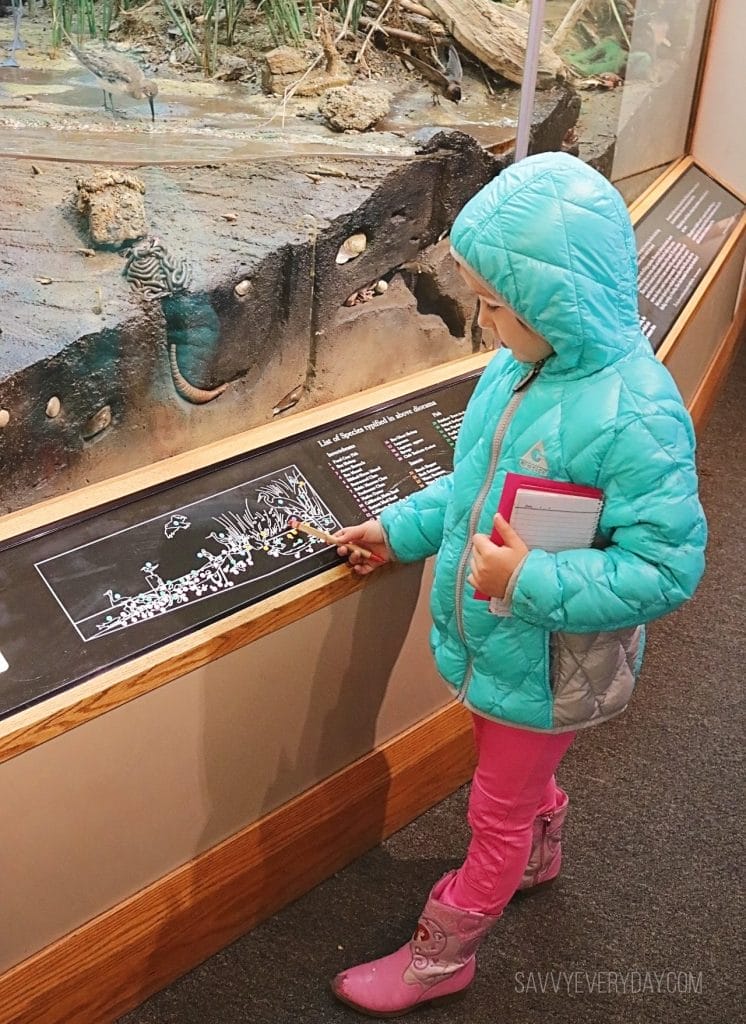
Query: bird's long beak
152	108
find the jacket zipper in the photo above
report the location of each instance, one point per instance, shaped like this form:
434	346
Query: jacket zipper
519	393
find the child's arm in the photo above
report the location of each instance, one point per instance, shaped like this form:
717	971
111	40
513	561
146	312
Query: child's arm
414	525
353	541
657	532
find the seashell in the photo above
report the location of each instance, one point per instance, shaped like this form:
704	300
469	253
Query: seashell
243	288
54	405
350	300
351	248
289	400
4	418
380	287
96	423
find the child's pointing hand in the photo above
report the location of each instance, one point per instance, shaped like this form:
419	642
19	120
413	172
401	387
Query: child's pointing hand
492	565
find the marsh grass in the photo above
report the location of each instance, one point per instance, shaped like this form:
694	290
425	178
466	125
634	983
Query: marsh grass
286	19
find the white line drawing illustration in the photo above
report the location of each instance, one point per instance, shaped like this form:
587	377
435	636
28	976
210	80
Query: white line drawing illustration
248	543
175	524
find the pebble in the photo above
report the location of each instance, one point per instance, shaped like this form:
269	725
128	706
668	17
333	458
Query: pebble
4	418
242	288
54	405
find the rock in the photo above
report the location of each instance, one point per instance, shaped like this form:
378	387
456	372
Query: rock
303	71
284	66
113	203
231	68
289	60
354	107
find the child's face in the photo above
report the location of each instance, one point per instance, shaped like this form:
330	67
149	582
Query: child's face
494	315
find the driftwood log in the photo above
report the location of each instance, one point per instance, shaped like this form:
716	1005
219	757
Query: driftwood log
496	35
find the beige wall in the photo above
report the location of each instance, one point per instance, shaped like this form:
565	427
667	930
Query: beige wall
100	812
720	138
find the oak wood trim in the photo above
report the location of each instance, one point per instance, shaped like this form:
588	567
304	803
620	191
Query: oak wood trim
716	177
704	398
649	196
111	964
705	56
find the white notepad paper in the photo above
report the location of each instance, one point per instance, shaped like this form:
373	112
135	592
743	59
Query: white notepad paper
552	522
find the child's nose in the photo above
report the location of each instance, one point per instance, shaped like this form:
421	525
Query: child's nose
484	317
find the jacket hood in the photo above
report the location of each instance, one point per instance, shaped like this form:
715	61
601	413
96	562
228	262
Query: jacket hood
554	239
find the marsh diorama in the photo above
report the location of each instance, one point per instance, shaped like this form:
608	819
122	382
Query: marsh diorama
215	213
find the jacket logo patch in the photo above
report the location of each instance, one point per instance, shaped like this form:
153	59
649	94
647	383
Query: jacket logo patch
535	460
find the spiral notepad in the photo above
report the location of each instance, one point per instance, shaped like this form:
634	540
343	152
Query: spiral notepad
552	515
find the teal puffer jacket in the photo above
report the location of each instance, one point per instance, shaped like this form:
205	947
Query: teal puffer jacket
554	238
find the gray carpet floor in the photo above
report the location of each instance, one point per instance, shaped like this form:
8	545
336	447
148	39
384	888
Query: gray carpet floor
645	921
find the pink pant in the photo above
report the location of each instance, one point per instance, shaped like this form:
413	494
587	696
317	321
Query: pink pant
513	782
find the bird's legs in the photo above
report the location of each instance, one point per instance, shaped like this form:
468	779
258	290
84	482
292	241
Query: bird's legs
18	43
111	103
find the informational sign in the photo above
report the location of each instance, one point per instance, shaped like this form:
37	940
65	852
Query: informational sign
677	240
89	594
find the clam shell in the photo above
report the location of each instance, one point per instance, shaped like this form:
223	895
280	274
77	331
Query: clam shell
98	422
54	405
351	248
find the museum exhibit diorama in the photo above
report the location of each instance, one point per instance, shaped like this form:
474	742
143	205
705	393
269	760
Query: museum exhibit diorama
228	309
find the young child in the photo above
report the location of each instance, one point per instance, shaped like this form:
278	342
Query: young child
576	394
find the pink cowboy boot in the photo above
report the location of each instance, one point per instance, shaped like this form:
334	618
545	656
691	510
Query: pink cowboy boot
546	848
436	965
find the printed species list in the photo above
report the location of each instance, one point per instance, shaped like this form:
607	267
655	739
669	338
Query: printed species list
369	485
394	453
677	241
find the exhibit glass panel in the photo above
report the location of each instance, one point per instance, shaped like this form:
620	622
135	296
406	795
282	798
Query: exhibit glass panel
200	233
638	62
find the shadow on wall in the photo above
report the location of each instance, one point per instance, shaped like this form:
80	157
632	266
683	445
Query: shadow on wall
310	707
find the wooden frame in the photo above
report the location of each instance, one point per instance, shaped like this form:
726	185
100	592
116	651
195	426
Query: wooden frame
645	202
705	55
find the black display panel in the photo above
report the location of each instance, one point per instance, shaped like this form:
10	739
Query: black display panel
677	240
87	594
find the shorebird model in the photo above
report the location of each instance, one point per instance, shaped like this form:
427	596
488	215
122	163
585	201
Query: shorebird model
116	73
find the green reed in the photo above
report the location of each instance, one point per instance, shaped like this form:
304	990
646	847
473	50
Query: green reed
83	18
179	17
355	13
285	19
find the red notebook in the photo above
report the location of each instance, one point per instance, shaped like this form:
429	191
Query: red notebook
553	515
